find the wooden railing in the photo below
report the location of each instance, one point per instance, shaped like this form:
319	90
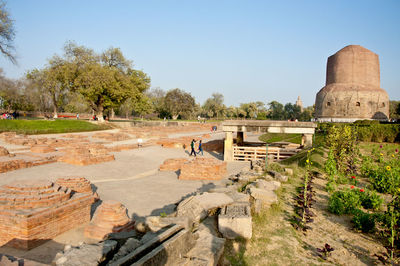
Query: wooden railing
243	153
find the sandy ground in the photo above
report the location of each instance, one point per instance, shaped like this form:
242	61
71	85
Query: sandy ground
133	179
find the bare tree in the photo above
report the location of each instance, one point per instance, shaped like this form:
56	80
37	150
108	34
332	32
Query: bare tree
7	34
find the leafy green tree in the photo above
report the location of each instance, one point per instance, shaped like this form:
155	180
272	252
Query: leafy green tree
231	112
276	111
51	81
214	106
394	109
179	103
105	81
307	114
11	95
157	99
7	34
250	109
292	111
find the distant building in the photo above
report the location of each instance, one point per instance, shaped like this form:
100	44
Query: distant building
299	103
352	90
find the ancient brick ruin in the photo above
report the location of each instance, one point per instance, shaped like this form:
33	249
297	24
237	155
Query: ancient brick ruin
76	184
86	154
203	169
352	90
173	164
110	217
32	212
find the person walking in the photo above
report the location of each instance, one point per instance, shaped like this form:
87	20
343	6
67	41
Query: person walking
192	146
200	149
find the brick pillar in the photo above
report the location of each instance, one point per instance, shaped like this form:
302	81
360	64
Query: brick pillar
228	147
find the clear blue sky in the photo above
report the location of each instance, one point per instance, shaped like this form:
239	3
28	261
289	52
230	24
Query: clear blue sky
246	50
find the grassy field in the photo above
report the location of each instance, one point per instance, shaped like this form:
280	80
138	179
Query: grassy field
277	137
32	127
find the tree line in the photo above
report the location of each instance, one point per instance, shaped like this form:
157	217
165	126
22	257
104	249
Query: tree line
84	81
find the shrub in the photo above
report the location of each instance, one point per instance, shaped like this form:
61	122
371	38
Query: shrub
363	221
344	202
384	180
371	200
331	186
364	134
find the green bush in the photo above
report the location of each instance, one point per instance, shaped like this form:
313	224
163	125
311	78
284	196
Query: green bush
331	186
371	200
364	134
344	202
385	181
363	221
378	132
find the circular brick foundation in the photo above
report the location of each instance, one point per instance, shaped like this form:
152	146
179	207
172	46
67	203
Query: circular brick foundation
77	184
32	194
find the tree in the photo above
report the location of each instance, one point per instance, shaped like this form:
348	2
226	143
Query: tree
157	99
276	111
292	111
105	81
113	57
11	95
51	81
7	34
250	109
214	106
179	103
394	109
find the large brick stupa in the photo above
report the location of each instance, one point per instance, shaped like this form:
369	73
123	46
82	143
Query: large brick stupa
352	90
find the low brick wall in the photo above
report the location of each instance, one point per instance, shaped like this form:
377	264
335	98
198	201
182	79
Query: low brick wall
203	169
34	212
173	164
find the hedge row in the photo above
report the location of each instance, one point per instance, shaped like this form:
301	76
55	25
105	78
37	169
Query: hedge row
371	131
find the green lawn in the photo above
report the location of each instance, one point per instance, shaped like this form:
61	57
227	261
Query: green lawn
277	137
31	127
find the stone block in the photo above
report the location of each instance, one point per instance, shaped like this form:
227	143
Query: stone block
155	223
86	254
289	171
207	250
196	207
110	217
278	176
263	198
32	212
235	221
268	185
165	247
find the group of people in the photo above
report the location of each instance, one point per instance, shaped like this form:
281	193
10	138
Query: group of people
193	151
6	115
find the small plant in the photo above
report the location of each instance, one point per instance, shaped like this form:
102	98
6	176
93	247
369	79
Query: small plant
331	186
363	221
305	199
325	252
344	202
163	214
371	200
